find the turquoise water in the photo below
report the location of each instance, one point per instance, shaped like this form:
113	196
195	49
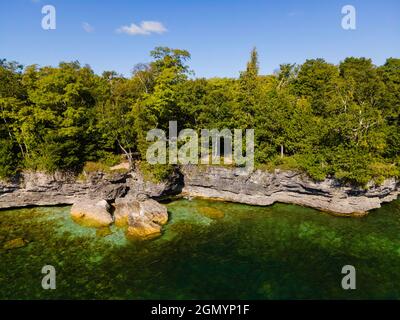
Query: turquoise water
208	250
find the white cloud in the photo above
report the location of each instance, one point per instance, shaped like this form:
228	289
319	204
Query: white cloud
145	28
87	27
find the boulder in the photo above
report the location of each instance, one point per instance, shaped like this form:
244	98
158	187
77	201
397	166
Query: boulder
145	218
155	211
123	208
15	244
92	213
142	228
130	207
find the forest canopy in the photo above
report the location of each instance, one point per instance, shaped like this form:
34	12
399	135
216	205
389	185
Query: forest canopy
332	120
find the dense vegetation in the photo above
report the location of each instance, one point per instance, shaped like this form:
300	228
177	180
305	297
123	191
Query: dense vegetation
342	121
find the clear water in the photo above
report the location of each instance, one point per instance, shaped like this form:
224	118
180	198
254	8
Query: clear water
277	252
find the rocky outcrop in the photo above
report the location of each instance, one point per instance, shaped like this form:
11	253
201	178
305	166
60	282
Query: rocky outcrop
215	182
211	213
92	213
39	189
142	187
143	217
43	189
265	188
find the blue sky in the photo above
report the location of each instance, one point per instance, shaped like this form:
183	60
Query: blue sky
218	33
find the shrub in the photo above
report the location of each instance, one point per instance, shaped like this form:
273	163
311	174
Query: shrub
91	166
155	173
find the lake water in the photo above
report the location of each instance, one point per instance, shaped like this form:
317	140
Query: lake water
236	252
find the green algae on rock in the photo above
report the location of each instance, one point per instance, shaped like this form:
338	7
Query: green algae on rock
91	213
143	229
15	244
103	232
211	213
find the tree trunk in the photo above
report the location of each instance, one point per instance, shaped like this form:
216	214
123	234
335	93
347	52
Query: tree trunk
128	154
281	150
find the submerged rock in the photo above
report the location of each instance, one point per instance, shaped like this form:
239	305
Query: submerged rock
103	232
15	244
131	207
142	228
212	213
31	188
145	218
92	213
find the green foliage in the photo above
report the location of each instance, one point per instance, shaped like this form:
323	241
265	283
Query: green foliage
157	172
8	161
340	121
110	159
96	167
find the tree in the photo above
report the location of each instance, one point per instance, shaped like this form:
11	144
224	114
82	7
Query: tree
155	110
116	118
324	119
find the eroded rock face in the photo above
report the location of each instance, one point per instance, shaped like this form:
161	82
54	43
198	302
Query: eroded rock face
38	188
92	213
216	182
148	189
265	188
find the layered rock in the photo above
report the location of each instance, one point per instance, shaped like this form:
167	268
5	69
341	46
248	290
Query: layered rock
265	188
42	189
143	188
39	189
215	182
92	213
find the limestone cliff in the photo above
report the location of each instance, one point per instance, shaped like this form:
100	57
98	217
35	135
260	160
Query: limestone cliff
265	188
223	183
